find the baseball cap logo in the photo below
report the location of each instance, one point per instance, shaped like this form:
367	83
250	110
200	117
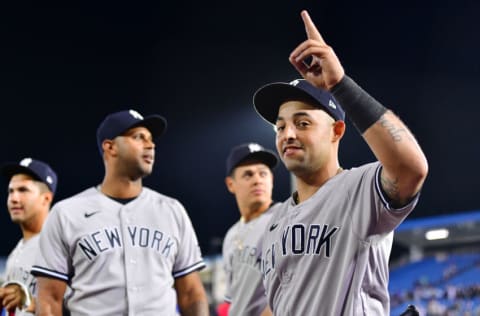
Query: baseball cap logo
49	179
135	114
254	147
331	104
26	162
294	82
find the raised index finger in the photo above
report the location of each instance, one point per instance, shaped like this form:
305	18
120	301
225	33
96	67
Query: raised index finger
310	28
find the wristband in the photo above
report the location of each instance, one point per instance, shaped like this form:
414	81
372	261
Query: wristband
362	108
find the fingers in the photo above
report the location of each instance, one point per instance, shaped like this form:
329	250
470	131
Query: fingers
11	301
11	298
301	67
310	48
310	28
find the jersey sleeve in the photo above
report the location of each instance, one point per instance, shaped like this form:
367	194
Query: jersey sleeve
52	259
189	257
374	215
227	249
390	217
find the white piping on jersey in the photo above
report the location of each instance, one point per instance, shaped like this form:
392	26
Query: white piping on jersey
196	266
36	270
379	189
382	196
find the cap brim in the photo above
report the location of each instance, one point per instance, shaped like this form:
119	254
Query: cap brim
9	170
268	99
156	124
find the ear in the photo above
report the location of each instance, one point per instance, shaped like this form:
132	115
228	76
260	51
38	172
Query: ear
229	182
107	145
338	130
48	197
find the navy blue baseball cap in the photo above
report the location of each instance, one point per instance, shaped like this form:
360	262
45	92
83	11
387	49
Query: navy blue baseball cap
115	124
267	99
244	152
37	169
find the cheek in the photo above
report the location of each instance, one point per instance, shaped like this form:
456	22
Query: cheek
269	185
278	144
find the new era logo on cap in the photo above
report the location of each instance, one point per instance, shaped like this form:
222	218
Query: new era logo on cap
331	104
294	82
37	169
250	151
270	97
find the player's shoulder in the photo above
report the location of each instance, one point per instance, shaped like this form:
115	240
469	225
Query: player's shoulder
357	174
274	207
277	210
78	198
273	210
365	167
234	228
162	202
158	197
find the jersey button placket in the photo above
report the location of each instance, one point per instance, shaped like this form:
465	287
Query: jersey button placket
130	262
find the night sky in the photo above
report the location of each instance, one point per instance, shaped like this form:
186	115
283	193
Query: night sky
64	67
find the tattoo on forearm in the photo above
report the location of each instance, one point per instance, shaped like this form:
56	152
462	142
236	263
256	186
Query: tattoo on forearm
394	131
390	187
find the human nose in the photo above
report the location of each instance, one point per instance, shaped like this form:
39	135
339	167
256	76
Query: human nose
257	178
13	197
149	143
288	132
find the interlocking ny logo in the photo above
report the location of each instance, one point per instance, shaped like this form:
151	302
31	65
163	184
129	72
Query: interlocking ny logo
135	114
26	162
254	147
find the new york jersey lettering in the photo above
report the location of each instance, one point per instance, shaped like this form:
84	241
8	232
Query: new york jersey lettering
106	239
300	240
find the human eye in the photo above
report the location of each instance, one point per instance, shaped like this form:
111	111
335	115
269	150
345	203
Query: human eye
279	127
302	124
136	136
140	136
247	175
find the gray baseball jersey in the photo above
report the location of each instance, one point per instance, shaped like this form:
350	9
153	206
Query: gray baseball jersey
242	250
119	259
19	264
329	255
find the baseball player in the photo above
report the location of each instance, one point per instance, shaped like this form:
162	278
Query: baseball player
31	187
123	248
326	249
250	179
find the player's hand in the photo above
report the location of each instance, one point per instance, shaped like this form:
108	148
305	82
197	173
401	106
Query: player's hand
323	69
12	297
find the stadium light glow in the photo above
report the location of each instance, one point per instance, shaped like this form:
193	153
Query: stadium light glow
436	234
